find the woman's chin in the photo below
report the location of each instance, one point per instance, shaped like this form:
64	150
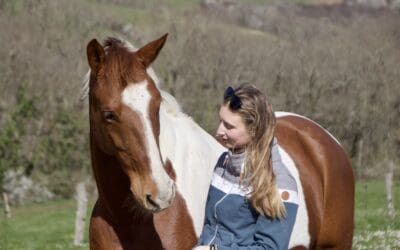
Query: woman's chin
223	142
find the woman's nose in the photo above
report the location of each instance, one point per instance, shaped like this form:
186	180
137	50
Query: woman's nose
221	130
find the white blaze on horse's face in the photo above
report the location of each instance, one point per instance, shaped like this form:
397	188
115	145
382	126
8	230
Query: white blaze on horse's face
138	97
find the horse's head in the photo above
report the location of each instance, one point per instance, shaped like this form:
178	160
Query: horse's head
124	117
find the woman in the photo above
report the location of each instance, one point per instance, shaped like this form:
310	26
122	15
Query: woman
252	200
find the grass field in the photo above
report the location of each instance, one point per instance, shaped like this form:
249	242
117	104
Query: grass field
373	228
40	226
51	225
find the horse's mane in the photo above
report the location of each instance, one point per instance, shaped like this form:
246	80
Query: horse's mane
170	105
85	86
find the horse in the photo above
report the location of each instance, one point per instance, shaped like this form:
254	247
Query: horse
153	164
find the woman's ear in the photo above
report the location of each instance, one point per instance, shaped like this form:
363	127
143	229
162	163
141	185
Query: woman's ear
252	134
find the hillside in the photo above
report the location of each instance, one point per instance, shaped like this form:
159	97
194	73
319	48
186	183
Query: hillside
335	64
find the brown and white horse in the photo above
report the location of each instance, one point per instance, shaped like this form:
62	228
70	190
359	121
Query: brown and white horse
153	164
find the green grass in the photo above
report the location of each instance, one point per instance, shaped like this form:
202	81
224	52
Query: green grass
371	206
40	226
51	225
373	228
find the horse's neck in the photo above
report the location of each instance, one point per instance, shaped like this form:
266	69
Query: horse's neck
113	187
193	153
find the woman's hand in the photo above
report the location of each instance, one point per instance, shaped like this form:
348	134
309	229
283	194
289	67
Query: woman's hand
202	248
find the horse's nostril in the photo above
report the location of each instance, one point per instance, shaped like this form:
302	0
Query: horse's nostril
151	202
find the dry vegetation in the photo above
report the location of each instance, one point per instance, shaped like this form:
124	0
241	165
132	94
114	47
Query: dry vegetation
335	65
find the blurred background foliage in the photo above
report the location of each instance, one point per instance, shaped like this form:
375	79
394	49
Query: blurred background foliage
337	65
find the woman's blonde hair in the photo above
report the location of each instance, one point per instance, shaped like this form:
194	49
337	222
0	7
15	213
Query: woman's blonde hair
259	118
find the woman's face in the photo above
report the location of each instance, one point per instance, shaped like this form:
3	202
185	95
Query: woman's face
232	131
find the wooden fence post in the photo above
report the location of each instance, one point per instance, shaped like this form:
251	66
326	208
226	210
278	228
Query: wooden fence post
81	198
7	209
360	157
389	194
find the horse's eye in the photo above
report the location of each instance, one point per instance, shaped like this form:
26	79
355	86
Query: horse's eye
110	116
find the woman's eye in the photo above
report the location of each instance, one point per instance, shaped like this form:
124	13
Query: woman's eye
110	116
228	126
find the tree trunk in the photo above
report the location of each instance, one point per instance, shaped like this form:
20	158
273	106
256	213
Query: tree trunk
81	198
7	209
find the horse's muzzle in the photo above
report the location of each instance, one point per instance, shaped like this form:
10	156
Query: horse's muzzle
160	203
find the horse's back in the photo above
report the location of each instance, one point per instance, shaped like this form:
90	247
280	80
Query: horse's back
326	178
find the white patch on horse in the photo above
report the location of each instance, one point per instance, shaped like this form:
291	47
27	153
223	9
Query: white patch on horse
282	114
299	237
193	155
137	97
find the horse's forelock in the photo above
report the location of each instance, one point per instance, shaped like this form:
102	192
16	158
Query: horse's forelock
112	42
128	45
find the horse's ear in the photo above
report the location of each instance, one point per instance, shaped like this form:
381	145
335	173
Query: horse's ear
148	53
95	55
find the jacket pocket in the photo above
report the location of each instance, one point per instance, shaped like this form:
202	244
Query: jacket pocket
224	237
